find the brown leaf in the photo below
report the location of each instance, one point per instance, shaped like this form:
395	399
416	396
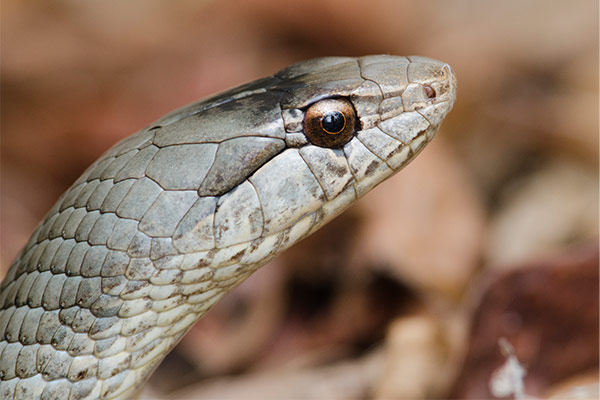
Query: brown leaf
548	310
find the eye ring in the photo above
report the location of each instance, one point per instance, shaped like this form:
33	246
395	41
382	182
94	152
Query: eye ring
330	122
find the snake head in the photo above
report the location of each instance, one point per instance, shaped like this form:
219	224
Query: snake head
305	143
397	104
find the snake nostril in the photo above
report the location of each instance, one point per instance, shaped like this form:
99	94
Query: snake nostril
429	91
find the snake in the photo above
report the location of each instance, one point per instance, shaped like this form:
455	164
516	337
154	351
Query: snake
170	219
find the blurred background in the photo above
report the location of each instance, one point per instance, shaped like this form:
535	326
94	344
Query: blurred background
491	232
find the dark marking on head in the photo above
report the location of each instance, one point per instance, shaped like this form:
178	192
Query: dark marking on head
371	167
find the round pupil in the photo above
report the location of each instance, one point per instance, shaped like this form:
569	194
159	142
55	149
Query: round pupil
333	122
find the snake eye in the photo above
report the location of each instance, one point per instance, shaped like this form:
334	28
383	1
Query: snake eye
330	122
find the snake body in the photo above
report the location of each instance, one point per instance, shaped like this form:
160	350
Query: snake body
171	218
